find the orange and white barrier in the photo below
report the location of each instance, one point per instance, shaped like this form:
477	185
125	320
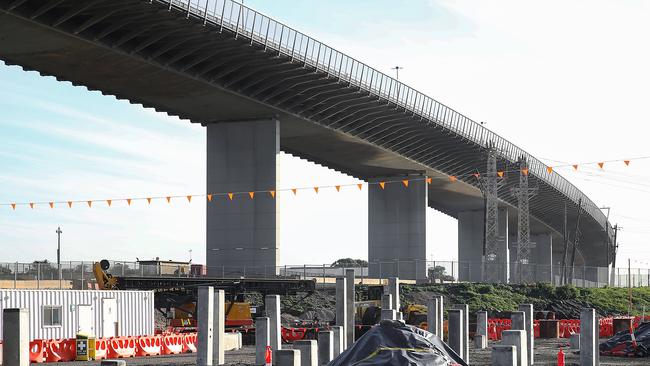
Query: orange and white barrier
148	346
121	347
172	344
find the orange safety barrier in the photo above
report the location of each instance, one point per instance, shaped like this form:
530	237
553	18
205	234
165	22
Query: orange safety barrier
172	344
121	347
61	350
189	343
101	349
148	346
37	351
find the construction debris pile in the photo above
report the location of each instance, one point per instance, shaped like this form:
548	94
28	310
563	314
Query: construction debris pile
628	344
394	343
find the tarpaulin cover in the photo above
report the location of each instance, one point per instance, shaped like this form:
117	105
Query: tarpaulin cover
393	343
621	343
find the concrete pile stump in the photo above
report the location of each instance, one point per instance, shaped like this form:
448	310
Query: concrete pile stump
517	338
441	316
272	306
349	303
393	290
574	341
465	309
589	332
287	357
389	314
205	307
308	352
481	337
480	341
325	347
455	327
339	340
386	302
219	328
262	339
341	308
15	334
504	355
432	316
528	310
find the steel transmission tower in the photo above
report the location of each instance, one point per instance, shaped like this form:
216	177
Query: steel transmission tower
491	267
524	245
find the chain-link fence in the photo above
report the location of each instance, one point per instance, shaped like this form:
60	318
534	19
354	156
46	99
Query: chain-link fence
79	274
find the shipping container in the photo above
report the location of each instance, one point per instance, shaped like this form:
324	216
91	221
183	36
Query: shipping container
64	313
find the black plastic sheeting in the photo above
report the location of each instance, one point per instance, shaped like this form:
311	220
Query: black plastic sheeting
394	343
621	343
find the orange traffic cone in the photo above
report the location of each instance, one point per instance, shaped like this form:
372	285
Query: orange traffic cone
268	356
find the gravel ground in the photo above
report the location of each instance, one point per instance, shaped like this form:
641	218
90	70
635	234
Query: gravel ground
545	354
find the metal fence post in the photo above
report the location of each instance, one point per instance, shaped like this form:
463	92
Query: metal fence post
304	271
323	273
38	275
15	274
82	274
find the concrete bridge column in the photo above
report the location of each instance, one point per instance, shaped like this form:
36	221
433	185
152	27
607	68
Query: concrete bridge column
242	233
397	228
471	234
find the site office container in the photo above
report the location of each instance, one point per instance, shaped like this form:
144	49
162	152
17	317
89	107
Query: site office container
64	313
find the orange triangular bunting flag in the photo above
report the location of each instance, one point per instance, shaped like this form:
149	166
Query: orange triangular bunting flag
31	205
600	165
169	199
251	194
575	167
500	174
109	202
128	201
338	188
429	180
294	190
452	178
627	162
382	184
230	196
272	193
360	185
51	204
209	198
316	189
90	203
70	204
549	169
524	171
405	182
13	205
189	198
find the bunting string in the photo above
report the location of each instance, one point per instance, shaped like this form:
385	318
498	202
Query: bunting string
272	193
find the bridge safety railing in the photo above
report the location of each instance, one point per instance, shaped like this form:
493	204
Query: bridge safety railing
79	274
249	24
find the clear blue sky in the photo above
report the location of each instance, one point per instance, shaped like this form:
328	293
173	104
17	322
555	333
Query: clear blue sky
560	84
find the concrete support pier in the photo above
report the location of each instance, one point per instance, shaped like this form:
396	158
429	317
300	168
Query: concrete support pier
386	302
350	309
325	347
308	352
504	355
432	316
516	338
15	334
242	233
342	308
471	231
527	309
272	305
397	228
388	314
465	329
589	332
205	307
262	339
455	325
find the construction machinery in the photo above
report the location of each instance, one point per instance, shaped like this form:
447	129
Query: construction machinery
175	296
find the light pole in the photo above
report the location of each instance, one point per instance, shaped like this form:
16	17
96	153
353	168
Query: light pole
397	69
58	252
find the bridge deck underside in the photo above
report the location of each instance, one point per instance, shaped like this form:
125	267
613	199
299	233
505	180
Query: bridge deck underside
145	53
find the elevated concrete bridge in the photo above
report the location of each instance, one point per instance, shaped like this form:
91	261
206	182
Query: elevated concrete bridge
259	87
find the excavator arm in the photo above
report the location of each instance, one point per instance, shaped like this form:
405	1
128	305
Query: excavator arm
105	280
